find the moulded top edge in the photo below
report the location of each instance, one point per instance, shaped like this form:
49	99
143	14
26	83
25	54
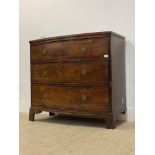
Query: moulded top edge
66	37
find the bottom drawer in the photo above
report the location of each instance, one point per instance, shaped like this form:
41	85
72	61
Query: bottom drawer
69	97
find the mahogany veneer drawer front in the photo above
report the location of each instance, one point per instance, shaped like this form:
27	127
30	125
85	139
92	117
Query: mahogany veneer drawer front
77	72
69	49
75	98
81	75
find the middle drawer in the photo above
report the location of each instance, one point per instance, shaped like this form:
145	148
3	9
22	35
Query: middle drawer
70	72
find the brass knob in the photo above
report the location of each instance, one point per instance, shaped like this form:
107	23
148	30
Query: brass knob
45	95
44	52
89	41
44	73
83	49
84	98
83	71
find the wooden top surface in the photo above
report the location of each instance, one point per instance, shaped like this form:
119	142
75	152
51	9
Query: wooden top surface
75	36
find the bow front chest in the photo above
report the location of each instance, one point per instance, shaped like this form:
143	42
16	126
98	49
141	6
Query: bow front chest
80	75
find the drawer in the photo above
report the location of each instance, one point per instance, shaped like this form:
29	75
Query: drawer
66	97
71	72
86	48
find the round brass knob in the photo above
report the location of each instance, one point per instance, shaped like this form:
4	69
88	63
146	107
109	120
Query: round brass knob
44	52
45	95
89	41
84	98
83	71
83	49
44	73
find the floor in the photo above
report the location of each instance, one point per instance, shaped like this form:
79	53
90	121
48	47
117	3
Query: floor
74	136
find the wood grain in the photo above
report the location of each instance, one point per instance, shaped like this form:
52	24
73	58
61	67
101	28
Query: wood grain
77	98
79	75
77	72
86	48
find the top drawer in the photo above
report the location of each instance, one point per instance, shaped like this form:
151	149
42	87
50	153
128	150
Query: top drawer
84	48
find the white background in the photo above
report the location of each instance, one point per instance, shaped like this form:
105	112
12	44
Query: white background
47	18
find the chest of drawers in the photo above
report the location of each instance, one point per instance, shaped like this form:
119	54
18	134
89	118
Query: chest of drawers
80	75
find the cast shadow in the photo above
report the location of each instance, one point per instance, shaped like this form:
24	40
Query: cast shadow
74	121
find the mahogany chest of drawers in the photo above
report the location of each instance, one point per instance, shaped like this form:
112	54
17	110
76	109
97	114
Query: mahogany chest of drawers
80	75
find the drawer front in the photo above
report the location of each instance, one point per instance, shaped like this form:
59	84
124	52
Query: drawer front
78	98
79	72
85	48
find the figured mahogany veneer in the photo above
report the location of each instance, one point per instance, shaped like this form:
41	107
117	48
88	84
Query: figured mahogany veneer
69	72
74	98
81	75
70	49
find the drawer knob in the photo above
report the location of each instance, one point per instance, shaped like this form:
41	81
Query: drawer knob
84	98
83	49
83	71
89	41
44	73
45	95
44	52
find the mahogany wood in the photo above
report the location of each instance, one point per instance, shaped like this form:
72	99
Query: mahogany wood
77	98
81	75
85	48
77	72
